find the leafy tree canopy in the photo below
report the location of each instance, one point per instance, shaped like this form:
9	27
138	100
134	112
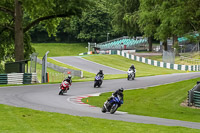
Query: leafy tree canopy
19	16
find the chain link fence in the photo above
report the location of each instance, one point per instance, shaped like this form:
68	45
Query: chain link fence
169	57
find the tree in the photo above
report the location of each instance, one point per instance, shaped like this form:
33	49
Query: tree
21	15
148	20
94	24
125	18
163	19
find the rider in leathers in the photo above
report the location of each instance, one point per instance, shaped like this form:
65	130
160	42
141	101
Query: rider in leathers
118	92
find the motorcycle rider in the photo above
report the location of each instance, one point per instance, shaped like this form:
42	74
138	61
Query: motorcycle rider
117	92
100	73
69	80
132	67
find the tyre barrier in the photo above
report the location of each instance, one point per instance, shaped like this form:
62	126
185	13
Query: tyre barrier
18	78
194	96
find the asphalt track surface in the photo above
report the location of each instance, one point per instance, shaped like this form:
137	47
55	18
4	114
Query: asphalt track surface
89	66
46	98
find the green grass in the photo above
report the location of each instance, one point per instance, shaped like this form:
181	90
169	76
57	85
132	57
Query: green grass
161	101
122	63
60	49
23	120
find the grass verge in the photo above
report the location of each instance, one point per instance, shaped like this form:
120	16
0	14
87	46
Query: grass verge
122	63
60	49
161	101
22	120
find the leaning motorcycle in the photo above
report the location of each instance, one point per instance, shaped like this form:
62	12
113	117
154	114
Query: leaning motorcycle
64	87
98	81
112	105
131	74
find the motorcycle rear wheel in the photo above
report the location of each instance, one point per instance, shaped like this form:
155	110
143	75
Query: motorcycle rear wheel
95	84
113	108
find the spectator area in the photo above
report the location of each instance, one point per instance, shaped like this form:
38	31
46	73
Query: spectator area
122	43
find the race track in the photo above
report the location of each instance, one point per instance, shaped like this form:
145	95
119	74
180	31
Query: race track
87	65
46	98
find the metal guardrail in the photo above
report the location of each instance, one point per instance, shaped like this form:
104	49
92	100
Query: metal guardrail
77	73
194	96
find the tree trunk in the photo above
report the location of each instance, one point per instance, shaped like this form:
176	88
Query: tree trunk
150	43
165	45
175	44
175	39
19	38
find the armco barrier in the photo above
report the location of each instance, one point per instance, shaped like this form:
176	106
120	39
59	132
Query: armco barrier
18	78
160	64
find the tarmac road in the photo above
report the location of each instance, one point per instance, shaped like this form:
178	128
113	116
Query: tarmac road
46	98
87	65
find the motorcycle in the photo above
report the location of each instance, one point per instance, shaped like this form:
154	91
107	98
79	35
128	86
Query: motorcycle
112	105
98	81
64	87
131	74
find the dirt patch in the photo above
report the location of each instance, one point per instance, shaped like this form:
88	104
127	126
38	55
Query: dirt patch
185	104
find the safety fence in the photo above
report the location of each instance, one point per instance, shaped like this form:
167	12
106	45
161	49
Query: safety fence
190	60
158	63
77	73
194	96
18	78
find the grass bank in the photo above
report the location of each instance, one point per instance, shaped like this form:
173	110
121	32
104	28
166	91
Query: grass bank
122	63
161	101
60	49
22	120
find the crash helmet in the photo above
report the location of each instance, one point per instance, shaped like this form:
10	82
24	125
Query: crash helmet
68	80
69	76
100	71
121	89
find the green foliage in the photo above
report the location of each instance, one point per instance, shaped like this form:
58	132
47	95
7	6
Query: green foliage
33	12
125	17
163	19
1	68
94	24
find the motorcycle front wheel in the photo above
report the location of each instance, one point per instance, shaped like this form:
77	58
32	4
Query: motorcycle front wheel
103	109
133	76
61	92
113	108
